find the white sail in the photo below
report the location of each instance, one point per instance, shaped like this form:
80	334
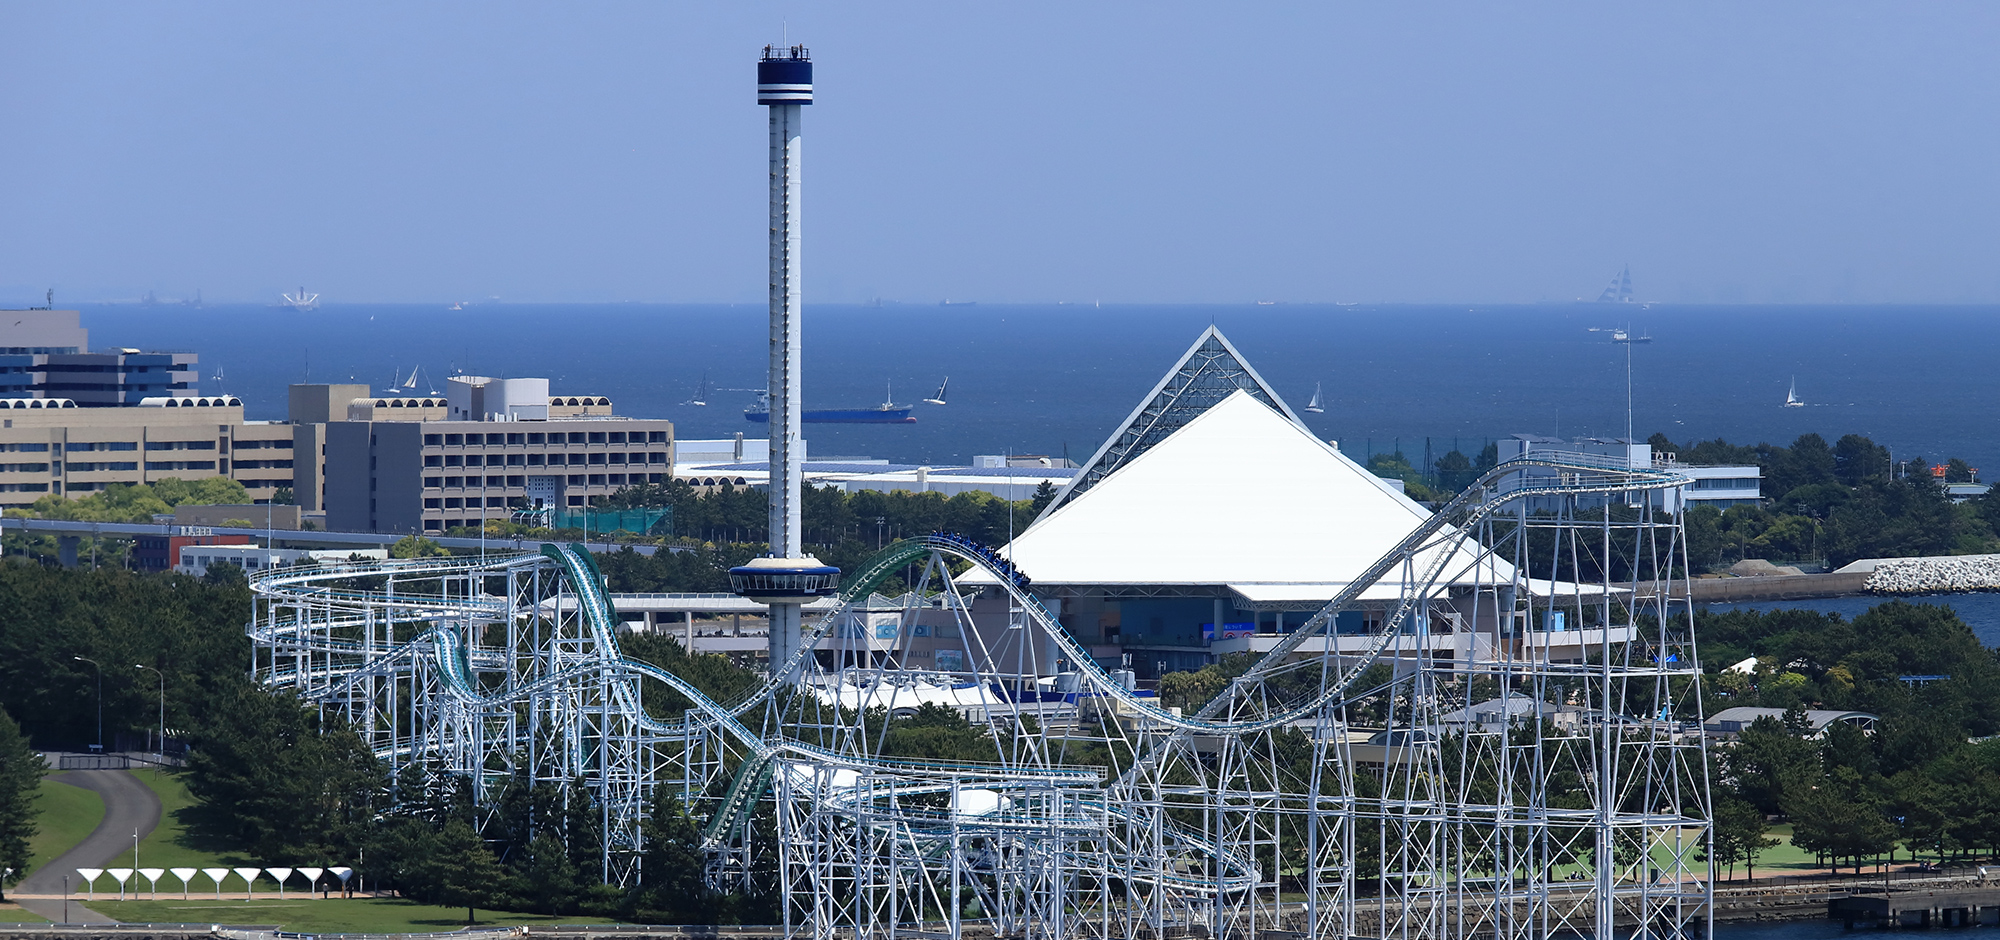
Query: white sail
1313	406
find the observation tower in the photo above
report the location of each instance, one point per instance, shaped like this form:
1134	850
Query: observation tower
788	577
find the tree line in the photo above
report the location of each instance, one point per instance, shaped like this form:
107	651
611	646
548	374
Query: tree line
1924	778
1837	502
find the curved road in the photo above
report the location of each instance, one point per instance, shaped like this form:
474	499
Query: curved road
128	805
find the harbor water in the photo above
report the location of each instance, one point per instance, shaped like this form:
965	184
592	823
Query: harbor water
1055	378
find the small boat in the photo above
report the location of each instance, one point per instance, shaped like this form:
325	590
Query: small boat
1792	399
1313	406
700	392
1621	336
938	399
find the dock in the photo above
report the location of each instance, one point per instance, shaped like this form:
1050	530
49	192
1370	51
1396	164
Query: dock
1945	905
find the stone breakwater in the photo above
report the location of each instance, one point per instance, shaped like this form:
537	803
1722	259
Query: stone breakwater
1943	575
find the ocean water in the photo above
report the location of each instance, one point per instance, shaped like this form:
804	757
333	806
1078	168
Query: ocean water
1782	930
1055	379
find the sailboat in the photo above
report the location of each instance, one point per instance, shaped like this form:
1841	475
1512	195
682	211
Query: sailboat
1313	406
700	392
1620	291
938	399
1792	399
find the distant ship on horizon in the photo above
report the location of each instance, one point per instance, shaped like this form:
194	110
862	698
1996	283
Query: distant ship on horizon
1620	291
302	301
888	412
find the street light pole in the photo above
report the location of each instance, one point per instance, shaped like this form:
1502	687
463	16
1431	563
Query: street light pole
162	753
100	698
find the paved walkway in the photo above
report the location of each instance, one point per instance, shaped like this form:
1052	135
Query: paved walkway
128	805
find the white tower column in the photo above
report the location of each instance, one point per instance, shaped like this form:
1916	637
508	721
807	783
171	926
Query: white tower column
786	460
784	85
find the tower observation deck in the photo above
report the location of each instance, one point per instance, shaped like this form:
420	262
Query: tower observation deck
784	84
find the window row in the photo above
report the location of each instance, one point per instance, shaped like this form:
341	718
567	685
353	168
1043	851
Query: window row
537	460
574	479
180	464
180	445
538	438
83	446
75	467
24	468
454	502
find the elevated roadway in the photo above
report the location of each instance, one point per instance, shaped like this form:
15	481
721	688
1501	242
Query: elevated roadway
67	532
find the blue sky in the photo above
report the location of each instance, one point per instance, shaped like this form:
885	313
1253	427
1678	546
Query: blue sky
1158	152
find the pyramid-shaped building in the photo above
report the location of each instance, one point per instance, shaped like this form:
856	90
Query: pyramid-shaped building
1212	521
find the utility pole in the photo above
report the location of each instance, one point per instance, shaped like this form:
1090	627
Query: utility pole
100	698
162	752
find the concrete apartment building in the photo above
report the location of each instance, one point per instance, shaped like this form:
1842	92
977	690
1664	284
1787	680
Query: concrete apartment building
487	447
46	354
73	422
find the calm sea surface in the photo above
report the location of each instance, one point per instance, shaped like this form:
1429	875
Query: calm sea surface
1787	930
1045	379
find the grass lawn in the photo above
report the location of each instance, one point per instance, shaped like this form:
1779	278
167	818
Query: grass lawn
171	846
11	913
64	816
357	915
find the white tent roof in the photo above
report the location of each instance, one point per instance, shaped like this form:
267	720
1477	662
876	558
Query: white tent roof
1240	495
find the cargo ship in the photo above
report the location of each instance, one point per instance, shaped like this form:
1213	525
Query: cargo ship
888	412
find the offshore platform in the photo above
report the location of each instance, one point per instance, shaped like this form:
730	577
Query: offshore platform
1350	780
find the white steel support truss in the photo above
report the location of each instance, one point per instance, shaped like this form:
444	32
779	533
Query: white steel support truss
1550	778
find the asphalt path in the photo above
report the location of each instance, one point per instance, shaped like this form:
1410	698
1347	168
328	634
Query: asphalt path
128	805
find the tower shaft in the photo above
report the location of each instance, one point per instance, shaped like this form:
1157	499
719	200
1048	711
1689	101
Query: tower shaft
784	85
787	460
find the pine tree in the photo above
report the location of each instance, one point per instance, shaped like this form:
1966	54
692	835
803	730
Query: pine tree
20	776
466	870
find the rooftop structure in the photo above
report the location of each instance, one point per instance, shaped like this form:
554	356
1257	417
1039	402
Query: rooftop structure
1718	486
1208	372
1730	722
1233	526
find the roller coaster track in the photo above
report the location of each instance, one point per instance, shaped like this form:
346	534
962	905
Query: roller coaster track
1426	556
1476	502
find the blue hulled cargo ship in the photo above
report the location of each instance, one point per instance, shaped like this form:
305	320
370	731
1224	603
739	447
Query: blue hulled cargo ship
888	412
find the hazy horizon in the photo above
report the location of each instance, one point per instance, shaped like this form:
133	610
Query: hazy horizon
1792	153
